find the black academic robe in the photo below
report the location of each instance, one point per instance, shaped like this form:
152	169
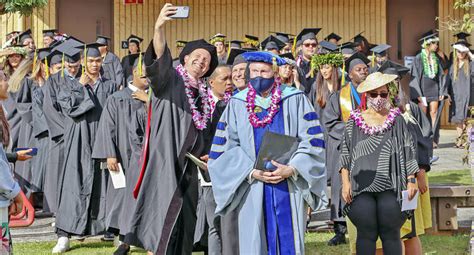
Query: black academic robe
165	217
306	79
113	141
422	136
23	169
55	119
334	126
13	118
127	70
82	185
113	69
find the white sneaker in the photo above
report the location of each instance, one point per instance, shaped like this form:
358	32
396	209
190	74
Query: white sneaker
62	245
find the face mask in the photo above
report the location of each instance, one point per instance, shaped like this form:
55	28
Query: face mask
261	84
378	104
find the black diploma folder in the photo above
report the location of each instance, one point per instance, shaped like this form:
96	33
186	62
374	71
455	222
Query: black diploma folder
277	147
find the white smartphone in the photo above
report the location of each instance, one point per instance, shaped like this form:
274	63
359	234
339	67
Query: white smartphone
182	12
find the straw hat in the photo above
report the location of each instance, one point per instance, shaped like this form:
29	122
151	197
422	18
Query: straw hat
375	80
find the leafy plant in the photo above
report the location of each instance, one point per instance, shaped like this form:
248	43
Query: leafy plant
24	7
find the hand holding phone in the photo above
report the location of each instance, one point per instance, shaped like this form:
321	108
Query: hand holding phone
182	12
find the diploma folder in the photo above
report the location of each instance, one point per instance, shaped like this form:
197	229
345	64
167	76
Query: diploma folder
277	147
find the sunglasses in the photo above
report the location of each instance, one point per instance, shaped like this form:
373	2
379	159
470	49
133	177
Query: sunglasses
375	94
307	45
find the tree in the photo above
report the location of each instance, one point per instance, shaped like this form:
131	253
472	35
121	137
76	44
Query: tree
466	24
24	7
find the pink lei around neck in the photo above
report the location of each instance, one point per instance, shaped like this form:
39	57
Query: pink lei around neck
356	115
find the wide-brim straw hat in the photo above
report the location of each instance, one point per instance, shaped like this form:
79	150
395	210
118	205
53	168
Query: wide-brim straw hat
375	80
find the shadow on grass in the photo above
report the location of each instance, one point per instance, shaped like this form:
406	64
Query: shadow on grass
446	145
455	177
91	245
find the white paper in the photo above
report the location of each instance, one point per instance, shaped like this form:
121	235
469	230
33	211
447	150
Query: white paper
409	204
199	163
118	178
423	100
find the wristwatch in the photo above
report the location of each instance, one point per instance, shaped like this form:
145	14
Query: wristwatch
412	180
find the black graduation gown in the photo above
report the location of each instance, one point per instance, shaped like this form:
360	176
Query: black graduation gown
127	70
334	126
165	217
113	69
13	118
307	79
23	169
55	121
113	141
82	186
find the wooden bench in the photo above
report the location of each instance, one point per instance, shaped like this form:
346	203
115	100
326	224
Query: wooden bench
445	200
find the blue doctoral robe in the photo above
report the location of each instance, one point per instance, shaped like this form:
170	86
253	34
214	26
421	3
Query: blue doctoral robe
233	155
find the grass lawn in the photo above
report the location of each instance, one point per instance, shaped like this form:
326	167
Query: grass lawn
461	177
315	244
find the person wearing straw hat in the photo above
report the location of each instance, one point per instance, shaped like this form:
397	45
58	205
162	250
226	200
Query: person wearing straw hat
461	85
378	163
113	145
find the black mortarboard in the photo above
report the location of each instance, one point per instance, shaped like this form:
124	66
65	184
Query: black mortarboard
42	53
327	47
272	43
347	48
308	33
50	32
201	44
236	44
102	39
54	57
251	37
232	58
428	35
25	35
461	35
462	42
390	67
359	38
181	43
74	42
135	39
71	49
134	59
92	49
332	36
355	59
249	49
381	49
284	37
287	55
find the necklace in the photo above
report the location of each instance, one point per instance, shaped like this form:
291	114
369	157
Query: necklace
274	107
374	130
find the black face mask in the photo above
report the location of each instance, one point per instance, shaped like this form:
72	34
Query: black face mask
261	84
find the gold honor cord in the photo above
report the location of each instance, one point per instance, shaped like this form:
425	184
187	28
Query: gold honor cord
35	58
62	66
343	78
47	67
345	102
373	59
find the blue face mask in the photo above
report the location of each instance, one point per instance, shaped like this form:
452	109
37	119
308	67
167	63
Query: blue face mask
261	84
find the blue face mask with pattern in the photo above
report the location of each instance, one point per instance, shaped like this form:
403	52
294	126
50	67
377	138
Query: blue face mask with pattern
261	84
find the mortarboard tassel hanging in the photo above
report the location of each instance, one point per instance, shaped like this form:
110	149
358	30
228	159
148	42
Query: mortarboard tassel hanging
46	68
373	59
228	50
275	65
343	78
35	58
293	49
85	60
62	66
140	68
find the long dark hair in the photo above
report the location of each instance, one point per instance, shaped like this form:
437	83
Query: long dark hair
322	90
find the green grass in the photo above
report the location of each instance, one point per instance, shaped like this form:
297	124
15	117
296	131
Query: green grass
315	244
461	177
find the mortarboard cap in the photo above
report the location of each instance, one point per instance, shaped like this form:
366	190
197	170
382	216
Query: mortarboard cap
23	36
333	36
92	49
272	43
135	39
428	35
381	49
327	47
233	54
252	40
135	59
201	44
359	38
461	35
284	37
355	59
50	32
71	49
347	48
54	57
287	55
102	39
181	43
42	53
217	38
308	33
390	67
263	57
236	44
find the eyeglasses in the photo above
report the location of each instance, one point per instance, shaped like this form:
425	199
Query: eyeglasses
307	45
375	95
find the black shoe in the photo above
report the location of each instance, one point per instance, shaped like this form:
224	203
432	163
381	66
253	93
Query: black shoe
337	240
123	249
108	237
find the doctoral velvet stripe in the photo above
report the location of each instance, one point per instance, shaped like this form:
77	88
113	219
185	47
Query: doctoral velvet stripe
277	204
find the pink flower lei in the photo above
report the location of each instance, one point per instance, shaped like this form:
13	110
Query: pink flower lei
227	96
375	130
274	107
199	119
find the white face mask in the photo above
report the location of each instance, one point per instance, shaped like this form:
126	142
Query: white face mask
378	103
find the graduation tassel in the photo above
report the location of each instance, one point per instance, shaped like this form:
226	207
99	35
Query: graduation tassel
46	68
35	58
62	66
140	68
343	78
373	59
85	60
228	50
294	47
275	66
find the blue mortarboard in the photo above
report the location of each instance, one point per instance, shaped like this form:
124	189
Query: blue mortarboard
264	57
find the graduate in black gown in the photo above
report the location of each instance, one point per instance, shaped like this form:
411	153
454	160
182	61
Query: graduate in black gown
113	145
127	65
54	117
379	57
309	47
82	186
166	191
112	68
